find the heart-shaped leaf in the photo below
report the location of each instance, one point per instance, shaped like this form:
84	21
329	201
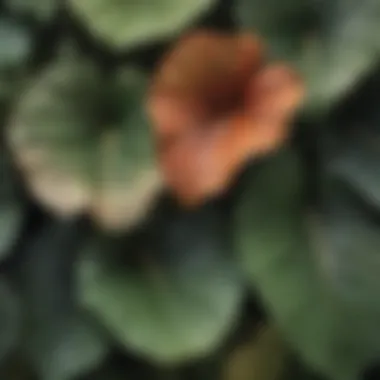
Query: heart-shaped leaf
179	297
84	144
131	23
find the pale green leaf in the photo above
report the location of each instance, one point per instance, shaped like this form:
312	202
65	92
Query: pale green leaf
84	142
128	24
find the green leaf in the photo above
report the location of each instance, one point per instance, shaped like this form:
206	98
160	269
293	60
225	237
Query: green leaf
42	10
352	255
170	294
11	208
348	249
61	341
358	168
128	24
351	202
285	25
15	46
333	43
10	319
14	43
275	250
83	142
352	154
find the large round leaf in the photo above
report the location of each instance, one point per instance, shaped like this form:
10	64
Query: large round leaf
131	23
178	297
274	249
84	144
332	42
11	208
61	340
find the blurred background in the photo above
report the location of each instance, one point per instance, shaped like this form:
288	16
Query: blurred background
106	275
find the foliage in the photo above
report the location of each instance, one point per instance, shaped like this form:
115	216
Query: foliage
169	209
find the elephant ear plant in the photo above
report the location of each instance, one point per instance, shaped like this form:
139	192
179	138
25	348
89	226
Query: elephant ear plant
189	189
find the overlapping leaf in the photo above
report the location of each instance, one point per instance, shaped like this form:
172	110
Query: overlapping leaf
334	43
131	23
11	208
352	152
83	142
348	224
180	297
351	254
62	342
15	45
10	319
275	251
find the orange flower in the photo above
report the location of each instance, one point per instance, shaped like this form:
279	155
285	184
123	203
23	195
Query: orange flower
214	105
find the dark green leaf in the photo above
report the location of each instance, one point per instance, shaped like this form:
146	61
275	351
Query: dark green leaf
285	25
11	208
62	341
359	168
332	42
352	249
274	249
181	297
41	10
10	319
352	152
15	46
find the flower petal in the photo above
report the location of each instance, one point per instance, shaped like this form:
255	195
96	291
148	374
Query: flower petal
202	75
